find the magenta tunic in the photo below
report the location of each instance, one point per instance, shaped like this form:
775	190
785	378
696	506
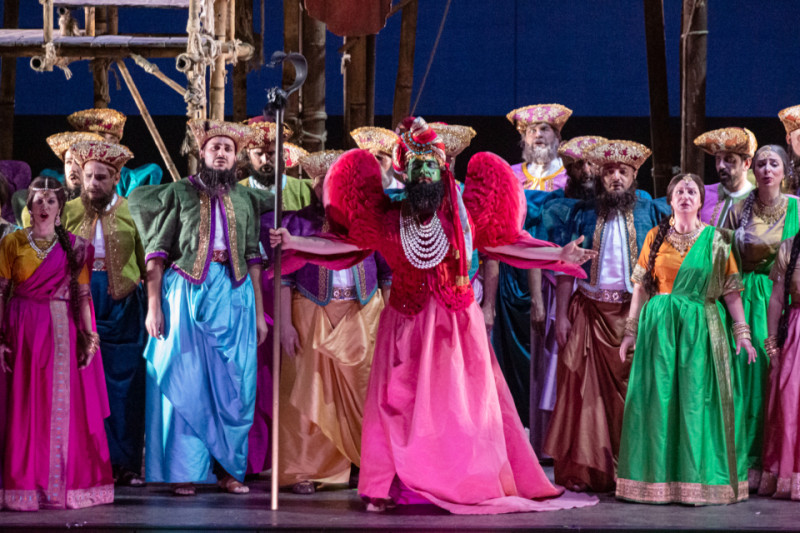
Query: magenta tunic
56	454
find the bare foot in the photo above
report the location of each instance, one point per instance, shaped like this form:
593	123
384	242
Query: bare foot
184	489
230	485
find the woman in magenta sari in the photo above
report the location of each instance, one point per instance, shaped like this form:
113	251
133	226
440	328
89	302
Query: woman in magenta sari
56	454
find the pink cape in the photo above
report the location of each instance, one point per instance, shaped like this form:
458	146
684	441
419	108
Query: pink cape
439	417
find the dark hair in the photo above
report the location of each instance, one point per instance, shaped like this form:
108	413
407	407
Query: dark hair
649	280
783	324
72	257
4	190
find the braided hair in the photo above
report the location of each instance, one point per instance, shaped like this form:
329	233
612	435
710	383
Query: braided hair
74	265
649	280
783	325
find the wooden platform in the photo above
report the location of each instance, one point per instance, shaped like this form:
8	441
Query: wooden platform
154	508
164	4
28	43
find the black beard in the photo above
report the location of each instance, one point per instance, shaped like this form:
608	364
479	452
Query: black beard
265	175
425	198
616	201
726	180
96	206
73	193
580	185
217	182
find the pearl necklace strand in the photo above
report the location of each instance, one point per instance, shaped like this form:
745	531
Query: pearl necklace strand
41	254
426	245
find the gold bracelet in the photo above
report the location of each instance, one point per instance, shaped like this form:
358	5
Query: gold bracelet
631	327
741	331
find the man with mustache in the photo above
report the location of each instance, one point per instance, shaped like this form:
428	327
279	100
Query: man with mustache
103	217
60	144
256	161
524	300
380	142
205	315
732	149
439	423
110	124
790	117
584	433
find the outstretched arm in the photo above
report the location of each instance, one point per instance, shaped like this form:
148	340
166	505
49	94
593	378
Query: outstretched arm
312	245
571	253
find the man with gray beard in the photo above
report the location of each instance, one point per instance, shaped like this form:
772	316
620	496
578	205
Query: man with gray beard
520	304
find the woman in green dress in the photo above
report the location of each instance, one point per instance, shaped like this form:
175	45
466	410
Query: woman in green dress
760	223
678	441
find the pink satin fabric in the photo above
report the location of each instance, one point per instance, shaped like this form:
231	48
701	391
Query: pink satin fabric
439	418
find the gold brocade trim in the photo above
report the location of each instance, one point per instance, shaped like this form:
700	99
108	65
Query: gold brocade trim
795	486
599	226
784	485
361	274
680	492
733	283
716	211
720	251
204	232
233	241
638	274
633	247
462	280
119	286
545	183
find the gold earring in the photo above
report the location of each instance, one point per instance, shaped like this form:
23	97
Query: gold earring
672	221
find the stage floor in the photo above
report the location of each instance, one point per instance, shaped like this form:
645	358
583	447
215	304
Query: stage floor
153	508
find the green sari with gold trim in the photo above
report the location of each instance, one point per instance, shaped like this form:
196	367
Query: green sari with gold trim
678	437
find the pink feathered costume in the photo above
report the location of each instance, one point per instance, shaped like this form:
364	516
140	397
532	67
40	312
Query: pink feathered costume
439	421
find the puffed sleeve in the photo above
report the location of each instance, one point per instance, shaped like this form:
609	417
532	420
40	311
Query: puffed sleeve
156	214
8	252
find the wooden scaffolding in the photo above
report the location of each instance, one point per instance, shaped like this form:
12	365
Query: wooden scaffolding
201	54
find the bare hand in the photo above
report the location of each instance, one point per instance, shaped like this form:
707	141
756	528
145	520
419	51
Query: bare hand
262	329
290	341
86	358
538	315
573	253
280	236
748	347
628	345
154	322
488	317
563	327
5	358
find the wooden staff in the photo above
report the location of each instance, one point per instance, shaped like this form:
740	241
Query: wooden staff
148	120
277	99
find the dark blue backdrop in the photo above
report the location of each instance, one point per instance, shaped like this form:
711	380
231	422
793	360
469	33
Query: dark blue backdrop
499	54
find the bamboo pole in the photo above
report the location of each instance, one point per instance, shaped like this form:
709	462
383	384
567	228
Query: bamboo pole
313	114
148	120
292	31
244	31
356	88
694	33
217	89
8	83
659	95
152	68
47	20
102	96
405	66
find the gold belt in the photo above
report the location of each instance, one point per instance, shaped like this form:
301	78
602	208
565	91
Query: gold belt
606	295
99	264
219	256
344	293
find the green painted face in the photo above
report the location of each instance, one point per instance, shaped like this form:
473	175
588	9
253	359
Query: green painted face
424	169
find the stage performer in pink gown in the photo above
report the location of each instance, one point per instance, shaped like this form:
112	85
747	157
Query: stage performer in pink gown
439	422
56	453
